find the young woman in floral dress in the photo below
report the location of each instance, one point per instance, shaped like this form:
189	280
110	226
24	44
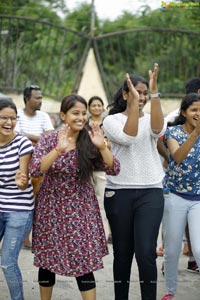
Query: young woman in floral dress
68	233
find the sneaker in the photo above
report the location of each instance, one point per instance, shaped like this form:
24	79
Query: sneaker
167	297
192	267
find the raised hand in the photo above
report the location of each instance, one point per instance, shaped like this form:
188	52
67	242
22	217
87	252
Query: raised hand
197	128
21	180
153	79
132	91
96	135
63	139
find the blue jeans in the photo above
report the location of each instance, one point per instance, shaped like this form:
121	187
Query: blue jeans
177	212
14	227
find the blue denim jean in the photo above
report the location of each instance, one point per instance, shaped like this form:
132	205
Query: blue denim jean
177	212
14	227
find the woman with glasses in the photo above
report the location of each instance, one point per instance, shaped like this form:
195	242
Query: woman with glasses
16	196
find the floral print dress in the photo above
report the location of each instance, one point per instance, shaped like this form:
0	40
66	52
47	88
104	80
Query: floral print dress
68	233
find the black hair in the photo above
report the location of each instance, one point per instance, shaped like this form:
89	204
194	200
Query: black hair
28	91
4	103
95	98
69	101
119	105
193	85
88	155
185	103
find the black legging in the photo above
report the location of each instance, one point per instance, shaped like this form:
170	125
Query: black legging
134	216
47	278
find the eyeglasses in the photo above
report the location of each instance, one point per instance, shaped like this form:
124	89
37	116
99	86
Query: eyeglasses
4	119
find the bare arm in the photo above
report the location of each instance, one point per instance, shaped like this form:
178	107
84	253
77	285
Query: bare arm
157	120
21	177
162	149
132	97
97	137
178	152
107	156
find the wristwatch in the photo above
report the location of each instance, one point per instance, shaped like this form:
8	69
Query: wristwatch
156	95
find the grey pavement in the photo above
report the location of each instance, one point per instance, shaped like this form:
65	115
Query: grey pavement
66	289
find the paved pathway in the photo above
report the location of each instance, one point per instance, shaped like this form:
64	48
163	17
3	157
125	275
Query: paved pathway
66	289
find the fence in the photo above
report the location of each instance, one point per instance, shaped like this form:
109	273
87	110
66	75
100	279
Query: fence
53	56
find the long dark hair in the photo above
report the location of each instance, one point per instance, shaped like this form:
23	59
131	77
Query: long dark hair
119	105
185	103
87	152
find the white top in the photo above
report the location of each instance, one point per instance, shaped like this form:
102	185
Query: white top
172	115
139	159
35	125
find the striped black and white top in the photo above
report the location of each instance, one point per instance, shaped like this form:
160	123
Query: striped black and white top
11	197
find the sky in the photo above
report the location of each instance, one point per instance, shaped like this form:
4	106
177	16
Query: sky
111	9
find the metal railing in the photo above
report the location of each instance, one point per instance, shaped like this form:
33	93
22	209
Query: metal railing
39	52
52	56
135	51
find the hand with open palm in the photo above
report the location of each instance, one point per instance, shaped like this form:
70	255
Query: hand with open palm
153	76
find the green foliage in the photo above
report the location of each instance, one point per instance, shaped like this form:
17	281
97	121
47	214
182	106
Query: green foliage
79	19
33	50
176	51
36	9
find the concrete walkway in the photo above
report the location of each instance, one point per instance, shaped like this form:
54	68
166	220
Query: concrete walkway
66	289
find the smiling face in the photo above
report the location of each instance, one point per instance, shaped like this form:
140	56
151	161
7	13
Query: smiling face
75	117
8	120
96	108
192	115
143	94
142	90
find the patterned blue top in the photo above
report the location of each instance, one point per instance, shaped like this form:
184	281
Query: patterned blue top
184	177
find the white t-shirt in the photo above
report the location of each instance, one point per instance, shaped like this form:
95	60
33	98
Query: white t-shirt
35	125
139	159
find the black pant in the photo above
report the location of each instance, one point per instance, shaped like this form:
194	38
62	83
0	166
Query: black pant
85	282
134	216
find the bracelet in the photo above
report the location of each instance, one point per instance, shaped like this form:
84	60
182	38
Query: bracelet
105	145
156	95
